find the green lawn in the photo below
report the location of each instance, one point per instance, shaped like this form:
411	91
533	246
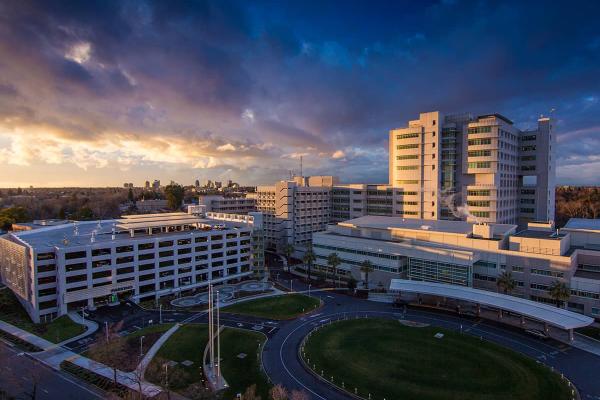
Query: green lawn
60	329
389	360
277	307
187	343
241	373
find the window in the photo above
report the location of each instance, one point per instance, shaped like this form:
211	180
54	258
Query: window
407	146
481	214
76	254
407	167
168	243
45	256
75	267
527	167
478	193
526	138
46	280
168	253
406	157
168	263
480	153
201	239
478	203
479	129
182	242
528	148
101	274
516	268
76	278
480	142
528	158
123	260
407	136
100	252
46	268
480	164
148	256
126	270
46	292
407	182
145	246
124	249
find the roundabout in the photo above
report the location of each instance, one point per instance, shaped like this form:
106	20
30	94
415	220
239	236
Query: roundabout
381	358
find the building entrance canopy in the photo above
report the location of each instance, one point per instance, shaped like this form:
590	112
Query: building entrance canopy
551	315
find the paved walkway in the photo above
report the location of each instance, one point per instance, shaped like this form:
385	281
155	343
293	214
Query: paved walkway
143	365
53	355
90	327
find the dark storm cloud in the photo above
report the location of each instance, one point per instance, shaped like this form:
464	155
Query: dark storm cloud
308	75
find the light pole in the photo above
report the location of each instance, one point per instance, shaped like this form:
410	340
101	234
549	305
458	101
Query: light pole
83	314
141	347
309	289
160	313
106	330
218	342
291	285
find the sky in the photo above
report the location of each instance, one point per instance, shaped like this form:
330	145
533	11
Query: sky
97	93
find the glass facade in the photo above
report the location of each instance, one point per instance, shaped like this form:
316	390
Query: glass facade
436	271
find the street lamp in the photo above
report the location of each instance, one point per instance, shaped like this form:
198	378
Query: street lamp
309	289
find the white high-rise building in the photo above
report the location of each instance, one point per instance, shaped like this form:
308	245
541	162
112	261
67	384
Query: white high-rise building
476	168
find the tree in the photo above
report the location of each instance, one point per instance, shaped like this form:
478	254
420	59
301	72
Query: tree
309	258
109	349
297	395
12	215
288	250
559	292
506	283
174	194
130	195
278	392
333	261
351	284
366	267
250	393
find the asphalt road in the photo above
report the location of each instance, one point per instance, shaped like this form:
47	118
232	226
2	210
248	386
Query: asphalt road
282	364
19	374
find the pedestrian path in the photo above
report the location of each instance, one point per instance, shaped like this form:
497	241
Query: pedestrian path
90	327
26	336
143	365
53	355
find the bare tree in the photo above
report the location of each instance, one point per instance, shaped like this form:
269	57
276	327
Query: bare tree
298	395
110	349
278	392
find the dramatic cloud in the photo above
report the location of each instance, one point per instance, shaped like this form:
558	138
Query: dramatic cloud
237	90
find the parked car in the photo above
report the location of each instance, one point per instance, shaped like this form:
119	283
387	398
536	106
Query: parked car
537	333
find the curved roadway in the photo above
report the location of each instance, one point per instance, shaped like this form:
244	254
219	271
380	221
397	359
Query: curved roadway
282	364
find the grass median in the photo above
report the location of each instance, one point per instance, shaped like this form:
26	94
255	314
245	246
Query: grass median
388	360
275	307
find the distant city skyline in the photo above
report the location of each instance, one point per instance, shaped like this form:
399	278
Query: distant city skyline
97	94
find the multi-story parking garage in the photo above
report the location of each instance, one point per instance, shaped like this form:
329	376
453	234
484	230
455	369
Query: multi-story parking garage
86	264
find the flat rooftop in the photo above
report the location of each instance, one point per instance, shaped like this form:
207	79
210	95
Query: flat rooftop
80	233
535	234
584	224
457	227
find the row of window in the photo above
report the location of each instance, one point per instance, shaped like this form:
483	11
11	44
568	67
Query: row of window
407	136
479	129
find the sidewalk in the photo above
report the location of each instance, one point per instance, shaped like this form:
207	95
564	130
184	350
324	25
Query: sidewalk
53	355
27	336
155	347
90	327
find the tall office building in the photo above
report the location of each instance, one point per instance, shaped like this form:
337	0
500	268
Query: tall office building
482	169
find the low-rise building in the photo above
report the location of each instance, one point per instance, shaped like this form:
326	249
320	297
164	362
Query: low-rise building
57	269
222	204
470	254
